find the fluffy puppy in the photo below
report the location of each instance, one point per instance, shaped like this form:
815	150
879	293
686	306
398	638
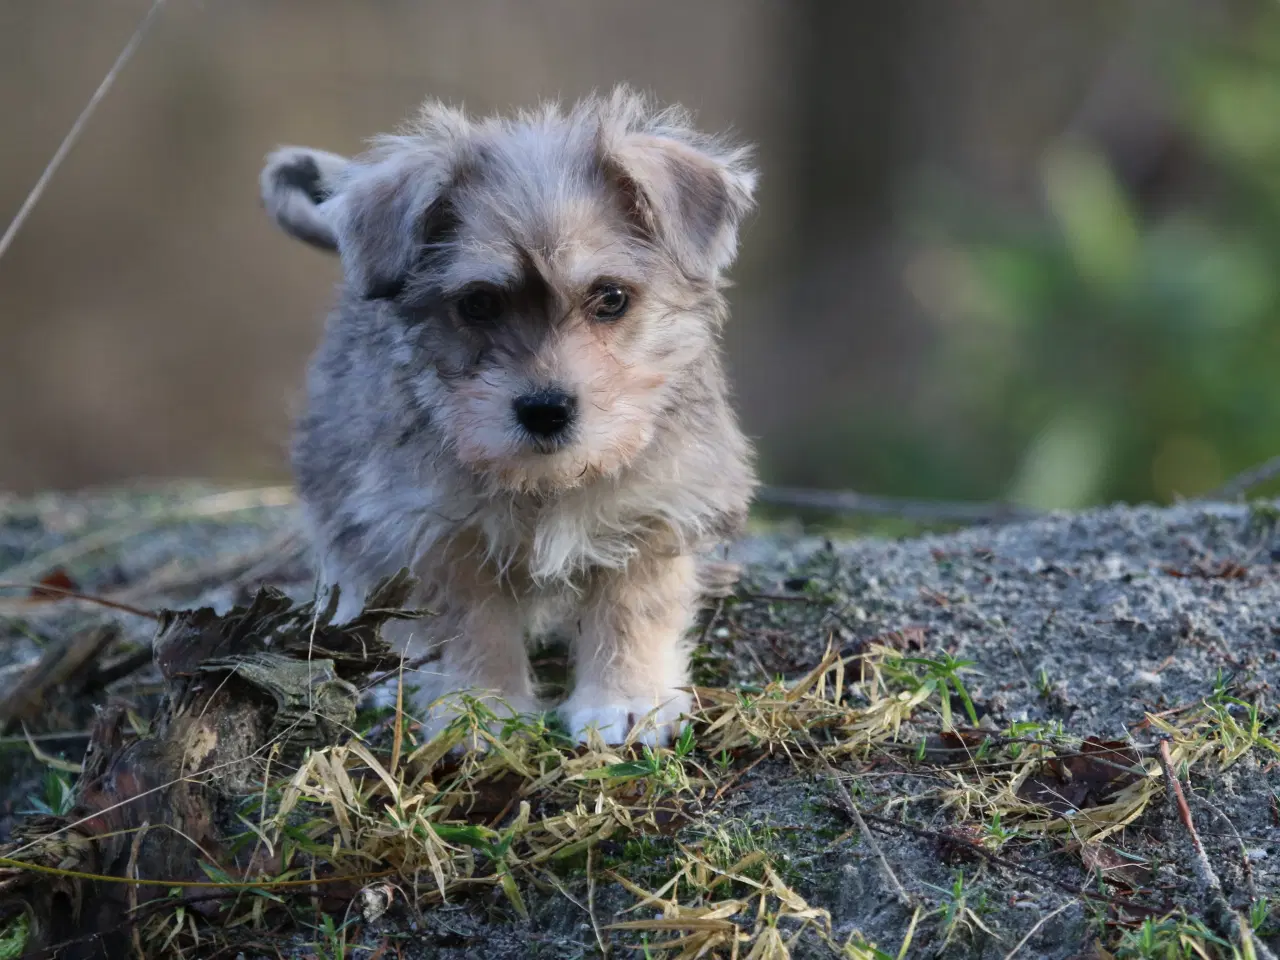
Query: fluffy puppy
519	395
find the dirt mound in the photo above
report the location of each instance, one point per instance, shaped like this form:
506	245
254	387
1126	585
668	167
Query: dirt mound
947	745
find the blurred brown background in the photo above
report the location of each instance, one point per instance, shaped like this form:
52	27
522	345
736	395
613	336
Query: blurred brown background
153	324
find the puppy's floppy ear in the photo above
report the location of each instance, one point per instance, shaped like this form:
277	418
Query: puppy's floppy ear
377	215
688	191
294	183
390	206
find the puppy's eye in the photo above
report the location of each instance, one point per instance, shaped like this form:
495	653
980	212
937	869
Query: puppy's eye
608	302
480	305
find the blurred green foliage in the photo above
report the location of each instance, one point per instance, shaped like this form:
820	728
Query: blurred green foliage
1100	348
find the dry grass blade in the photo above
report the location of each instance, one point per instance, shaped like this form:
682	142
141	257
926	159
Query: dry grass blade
707	923
77	128
783	716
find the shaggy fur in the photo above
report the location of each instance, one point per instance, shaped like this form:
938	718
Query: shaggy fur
411	452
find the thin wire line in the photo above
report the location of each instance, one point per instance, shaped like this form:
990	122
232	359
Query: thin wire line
74	133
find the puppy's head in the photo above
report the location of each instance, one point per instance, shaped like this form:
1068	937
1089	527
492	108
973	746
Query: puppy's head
548	278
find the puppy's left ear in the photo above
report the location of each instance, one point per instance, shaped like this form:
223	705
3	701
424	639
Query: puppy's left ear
294	183
689	192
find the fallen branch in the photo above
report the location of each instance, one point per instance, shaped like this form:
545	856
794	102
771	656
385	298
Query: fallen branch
1219	909
67	666
214	506
1245	481
905	508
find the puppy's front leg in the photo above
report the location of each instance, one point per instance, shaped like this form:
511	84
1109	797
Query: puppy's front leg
479	634
630	654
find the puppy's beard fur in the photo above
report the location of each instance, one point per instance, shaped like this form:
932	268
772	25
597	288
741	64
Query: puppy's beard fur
617	411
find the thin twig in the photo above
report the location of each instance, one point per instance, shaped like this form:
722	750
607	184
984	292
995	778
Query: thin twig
711	622
729	784
1039	923
18	667
905	508
9	863
109	674
1245	867
76	128
131	870
244	568
77	595
1245	481
1173	787
410	666
851	808
1210	887
780	597
38	737
999	861
591	905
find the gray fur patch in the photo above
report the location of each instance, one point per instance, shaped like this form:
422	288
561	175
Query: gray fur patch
294	184
703	201
304	176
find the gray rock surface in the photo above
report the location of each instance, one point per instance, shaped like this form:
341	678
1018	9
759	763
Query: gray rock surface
1120	610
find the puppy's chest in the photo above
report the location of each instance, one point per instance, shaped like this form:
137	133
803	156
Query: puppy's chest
558	544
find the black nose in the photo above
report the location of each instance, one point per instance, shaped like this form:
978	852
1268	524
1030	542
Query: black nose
547	413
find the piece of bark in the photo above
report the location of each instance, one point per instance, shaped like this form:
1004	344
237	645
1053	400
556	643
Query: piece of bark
272	679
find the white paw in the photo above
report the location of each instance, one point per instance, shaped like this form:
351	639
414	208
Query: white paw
655	719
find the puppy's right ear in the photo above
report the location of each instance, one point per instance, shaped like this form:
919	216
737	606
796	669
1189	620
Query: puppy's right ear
382	210
392	209
295	182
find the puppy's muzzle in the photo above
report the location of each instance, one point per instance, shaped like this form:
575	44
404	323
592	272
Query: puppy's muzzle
547	415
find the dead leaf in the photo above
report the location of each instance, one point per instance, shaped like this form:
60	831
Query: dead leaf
1084	779
1116	866
953	746
908	639
958	844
